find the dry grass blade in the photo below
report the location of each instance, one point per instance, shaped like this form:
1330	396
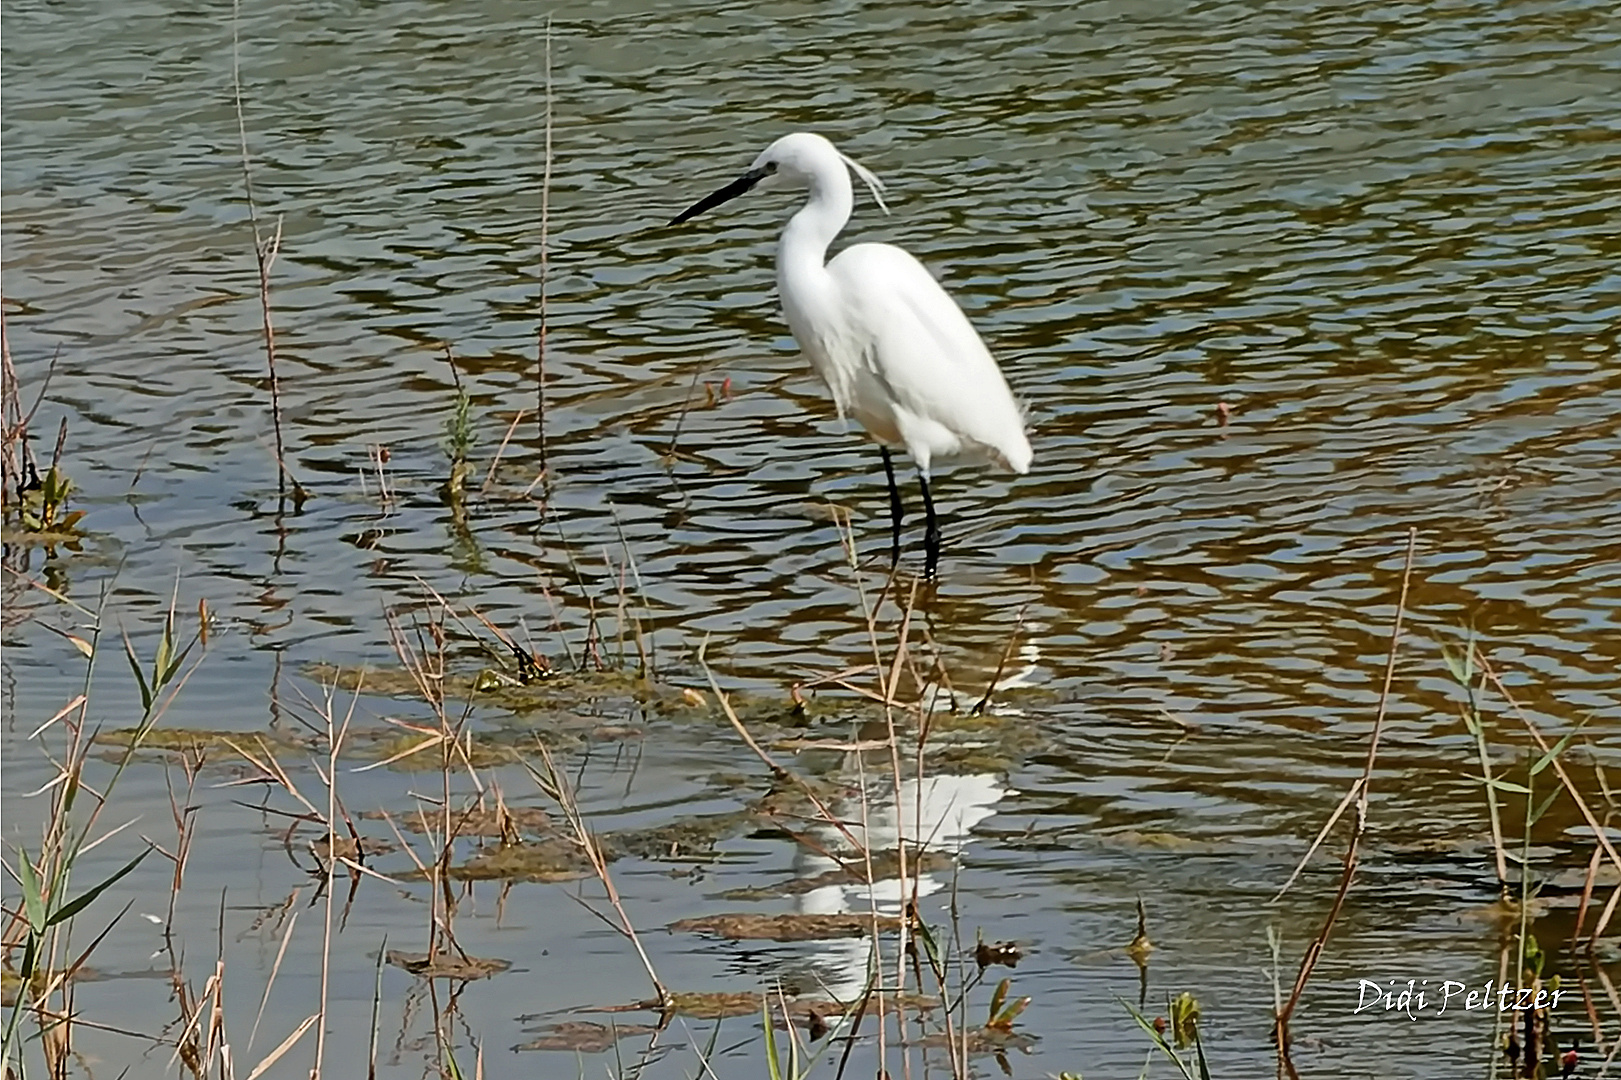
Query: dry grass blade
777	771
557	787
63	711
286	1044
495	462
1322	834
1001	666
275	969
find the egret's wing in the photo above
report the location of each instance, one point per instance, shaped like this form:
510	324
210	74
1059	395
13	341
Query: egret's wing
924	351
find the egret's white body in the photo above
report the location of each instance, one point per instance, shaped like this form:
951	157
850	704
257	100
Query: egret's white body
894	349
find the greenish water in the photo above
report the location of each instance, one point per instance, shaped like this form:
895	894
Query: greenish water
1385	235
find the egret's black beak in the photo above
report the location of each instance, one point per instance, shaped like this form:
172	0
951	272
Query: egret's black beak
725	194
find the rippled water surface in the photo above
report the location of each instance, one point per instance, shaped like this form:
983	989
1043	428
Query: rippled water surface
1383	236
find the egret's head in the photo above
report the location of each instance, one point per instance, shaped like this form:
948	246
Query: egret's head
791	163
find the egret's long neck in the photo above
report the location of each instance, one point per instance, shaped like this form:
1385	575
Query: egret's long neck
802	252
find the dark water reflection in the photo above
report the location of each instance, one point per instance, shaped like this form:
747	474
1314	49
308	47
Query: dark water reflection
1385	235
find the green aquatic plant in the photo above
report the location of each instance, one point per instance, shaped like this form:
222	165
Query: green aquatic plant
38	940
43	508
459	432
1182	1022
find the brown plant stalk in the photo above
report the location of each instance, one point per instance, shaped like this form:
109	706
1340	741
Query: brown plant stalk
1360	822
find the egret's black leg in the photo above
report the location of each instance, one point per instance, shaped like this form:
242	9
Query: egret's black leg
931	534
894	507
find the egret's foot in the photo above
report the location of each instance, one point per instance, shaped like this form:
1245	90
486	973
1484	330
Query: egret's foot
931	535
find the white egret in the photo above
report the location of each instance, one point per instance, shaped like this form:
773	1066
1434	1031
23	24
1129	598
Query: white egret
894	349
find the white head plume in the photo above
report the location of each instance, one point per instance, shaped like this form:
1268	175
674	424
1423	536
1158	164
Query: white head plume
874	185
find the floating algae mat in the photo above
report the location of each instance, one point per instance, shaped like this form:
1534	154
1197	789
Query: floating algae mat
747	926
564	709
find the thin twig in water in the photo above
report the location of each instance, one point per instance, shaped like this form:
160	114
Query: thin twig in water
681	417
1360	825
777	771
1001	666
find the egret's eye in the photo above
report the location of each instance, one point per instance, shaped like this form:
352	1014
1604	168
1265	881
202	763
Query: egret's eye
770	166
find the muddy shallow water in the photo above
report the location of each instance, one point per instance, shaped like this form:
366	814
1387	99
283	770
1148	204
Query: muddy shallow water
1384	236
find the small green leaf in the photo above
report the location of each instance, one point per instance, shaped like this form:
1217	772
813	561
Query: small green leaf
1559	747
1536	815
174	665
772	1065
140	679
25	971
1007	1016
79	903
161	661
1198	1048
70	790
1454	664
33	897
929	944
999	996
1159	1041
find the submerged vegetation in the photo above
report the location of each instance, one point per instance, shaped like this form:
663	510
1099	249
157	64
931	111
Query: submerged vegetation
855	740
437	789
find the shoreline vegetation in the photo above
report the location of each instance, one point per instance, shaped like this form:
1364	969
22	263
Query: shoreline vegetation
929	993
867	771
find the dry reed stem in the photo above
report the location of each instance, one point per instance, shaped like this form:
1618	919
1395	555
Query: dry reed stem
1604	918
908	884
264	254
335	737
12	426
545	261
1348	871
21	473
1587	894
